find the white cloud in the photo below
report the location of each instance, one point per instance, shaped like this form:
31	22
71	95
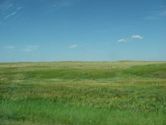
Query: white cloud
122	40
73	46
131	38
31	48
137	37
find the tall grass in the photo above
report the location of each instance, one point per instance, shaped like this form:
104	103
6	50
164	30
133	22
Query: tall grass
83	93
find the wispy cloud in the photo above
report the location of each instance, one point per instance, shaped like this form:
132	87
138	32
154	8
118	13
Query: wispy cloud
10	47
28	48
156	15
64	3
163	13
130	38
13	13
5	5
54	5
73	46
8	9
10	15
151	17
31	48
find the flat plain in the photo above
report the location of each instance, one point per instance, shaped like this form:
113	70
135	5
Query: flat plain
83	93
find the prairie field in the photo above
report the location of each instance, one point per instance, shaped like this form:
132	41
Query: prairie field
83	93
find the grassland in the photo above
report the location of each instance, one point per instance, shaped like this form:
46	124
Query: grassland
83	93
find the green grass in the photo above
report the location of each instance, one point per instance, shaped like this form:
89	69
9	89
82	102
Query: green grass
83	93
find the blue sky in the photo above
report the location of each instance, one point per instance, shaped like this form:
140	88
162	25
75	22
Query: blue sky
82	30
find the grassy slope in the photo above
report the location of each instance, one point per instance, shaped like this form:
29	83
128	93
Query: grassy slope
83	93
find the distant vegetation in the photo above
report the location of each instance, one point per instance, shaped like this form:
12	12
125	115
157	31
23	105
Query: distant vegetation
83	93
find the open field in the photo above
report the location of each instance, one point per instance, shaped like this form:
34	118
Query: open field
83	93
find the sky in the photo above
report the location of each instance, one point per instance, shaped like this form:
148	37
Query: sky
82	30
